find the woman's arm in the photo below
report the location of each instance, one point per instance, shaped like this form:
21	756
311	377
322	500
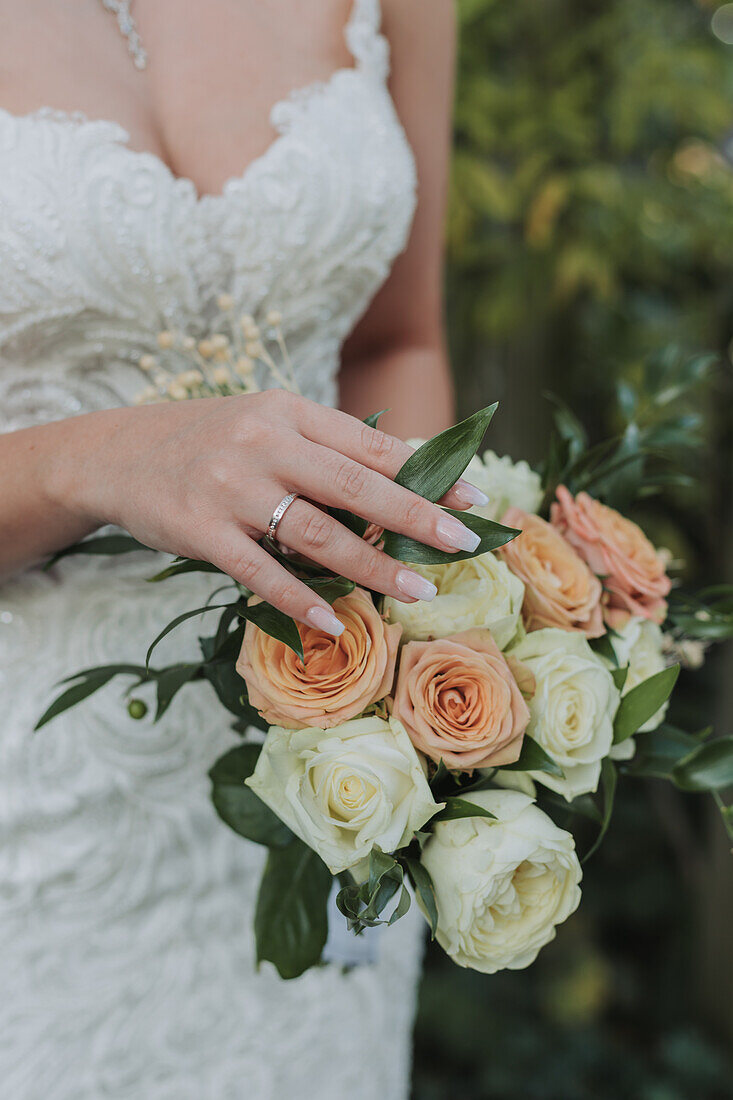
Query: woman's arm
396	357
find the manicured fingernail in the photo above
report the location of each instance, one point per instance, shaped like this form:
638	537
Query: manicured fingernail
469	494
413	585
322	619
455	535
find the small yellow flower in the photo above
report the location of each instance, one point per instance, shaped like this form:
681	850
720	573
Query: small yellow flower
177	392
245	366
191	378
147	362
206	349
219	342
188	343
166	340
148	394
221	376
274	318
254	349
225	302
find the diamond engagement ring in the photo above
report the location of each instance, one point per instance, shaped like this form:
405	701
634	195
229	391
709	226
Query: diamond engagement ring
278	514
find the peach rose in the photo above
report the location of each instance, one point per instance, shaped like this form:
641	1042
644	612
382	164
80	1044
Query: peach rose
617	550
340	678
560	590
459	702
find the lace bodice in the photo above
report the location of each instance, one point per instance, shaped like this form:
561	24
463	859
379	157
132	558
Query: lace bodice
126	907
101	246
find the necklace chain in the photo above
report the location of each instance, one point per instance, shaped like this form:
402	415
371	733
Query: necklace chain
128	29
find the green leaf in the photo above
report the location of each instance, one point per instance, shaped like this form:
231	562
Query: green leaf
642	702
238	805
169	683
101	544
457	808
603	647
331	588
291	922
362	905
492	536
177	622
349	520
89	681
533	758
709	767
657	751
423	884
184	565
373	420
620	676
608	787
436	466
277	624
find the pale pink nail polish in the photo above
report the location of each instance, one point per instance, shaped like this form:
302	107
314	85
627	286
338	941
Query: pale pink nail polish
413	585
324	620
455	535
469	494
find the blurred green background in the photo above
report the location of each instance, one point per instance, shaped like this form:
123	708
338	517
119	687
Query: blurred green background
591	224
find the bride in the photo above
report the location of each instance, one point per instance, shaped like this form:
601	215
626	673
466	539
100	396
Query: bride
144	172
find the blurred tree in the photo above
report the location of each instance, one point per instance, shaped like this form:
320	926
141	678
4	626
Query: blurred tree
591	222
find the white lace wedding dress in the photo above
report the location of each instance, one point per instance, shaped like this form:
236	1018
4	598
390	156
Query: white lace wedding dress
126	960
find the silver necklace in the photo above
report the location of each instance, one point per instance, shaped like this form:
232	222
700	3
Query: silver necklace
128	29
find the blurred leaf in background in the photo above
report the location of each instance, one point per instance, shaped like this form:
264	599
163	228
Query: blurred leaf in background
590	254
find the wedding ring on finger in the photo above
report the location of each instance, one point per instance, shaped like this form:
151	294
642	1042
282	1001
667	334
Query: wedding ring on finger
277	515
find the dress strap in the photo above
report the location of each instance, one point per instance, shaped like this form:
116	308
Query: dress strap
369	48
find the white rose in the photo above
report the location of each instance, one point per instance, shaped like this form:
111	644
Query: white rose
347	789
639	645
501	886
505	483
475	593
572	709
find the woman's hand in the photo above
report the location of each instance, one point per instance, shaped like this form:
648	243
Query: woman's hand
202	479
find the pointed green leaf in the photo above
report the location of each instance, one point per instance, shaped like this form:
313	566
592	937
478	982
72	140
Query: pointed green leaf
169	683
457	808
291	921
533	758
177	622
620	676
120	543
709	767
184	565
643	701
423	883
372	420
492	536
436	466
238	805
277	624
608	787
88	681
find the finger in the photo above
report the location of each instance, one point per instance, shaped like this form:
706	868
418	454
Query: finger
243	560
376	449
320	537
329	478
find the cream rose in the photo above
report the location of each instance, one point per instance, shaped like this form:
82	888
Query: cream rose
475	593
345	790
572	709
501	886
340	678
459	702
505	483
639	645
559	588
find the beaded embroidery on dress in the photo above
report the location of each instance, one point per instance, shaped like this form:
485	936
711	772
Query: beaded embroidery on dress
125	904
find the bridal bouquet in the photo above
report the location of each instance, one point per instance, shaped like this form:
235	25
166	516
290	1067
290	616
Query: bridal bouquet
457	746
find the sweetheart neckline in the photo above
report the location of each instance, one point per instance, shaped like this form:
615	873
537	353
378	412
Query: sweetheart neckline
297	97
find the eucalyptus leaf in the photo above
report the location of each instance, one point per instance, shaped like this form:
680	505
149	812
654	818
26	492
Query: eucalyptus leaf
436	466
184	565
119	543
238	805
291	921
492	535
87	682
177	622
533	758
642	702
169	682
